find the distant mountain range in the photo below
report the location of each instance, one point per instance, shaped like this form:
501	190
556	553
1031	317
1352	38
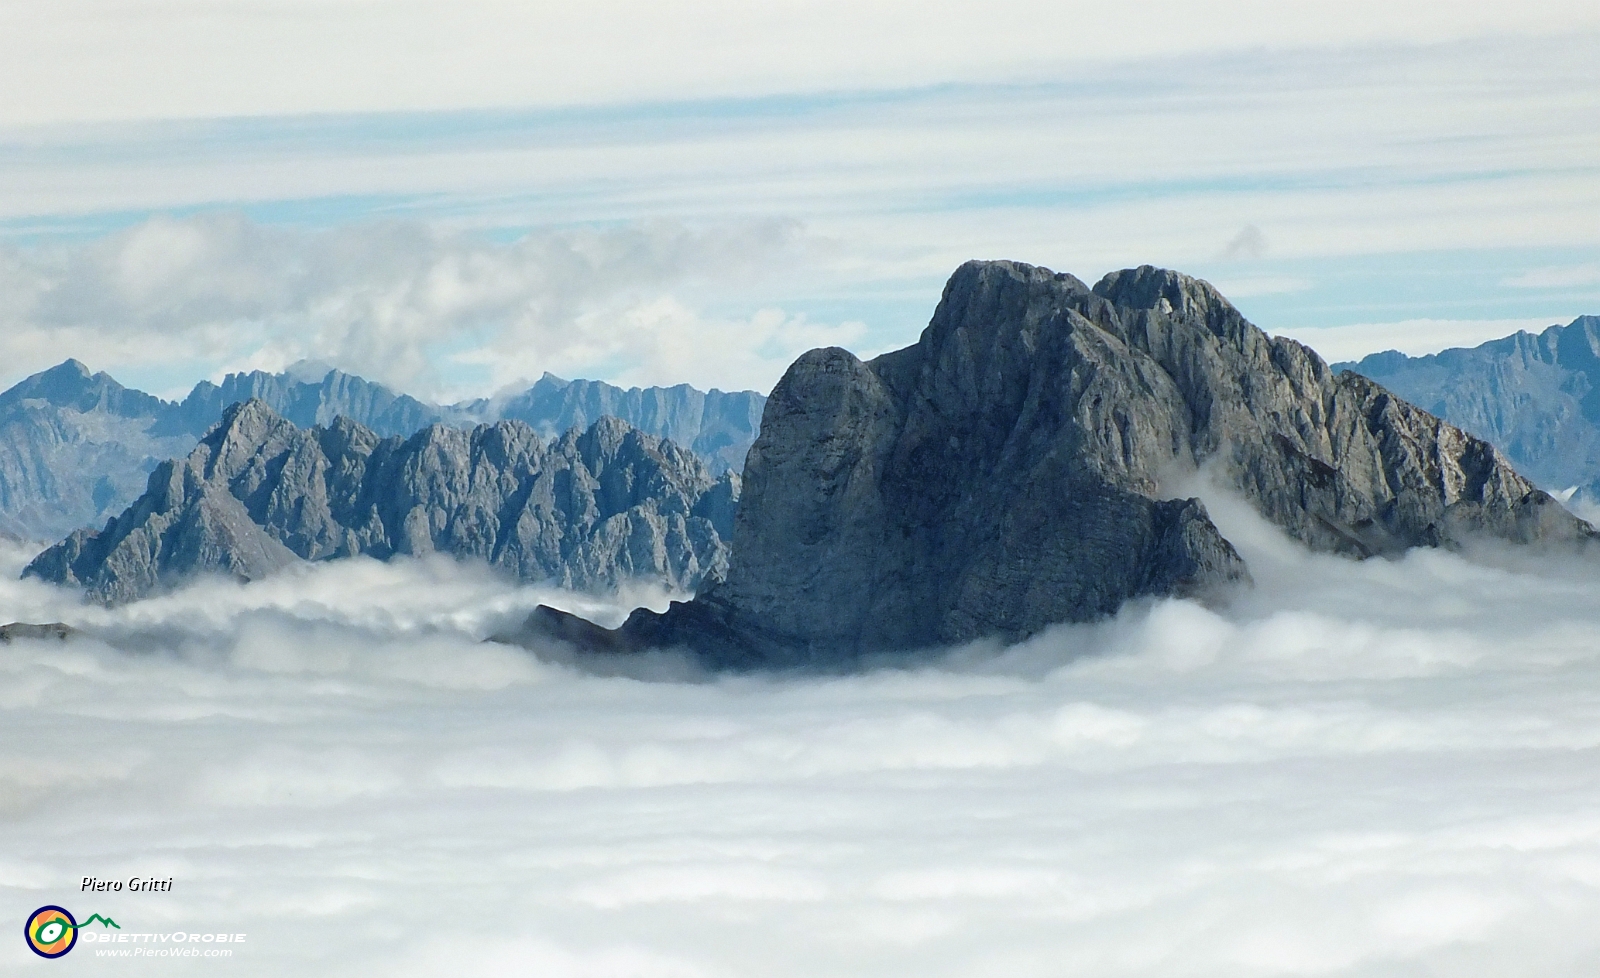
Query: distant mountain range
1003	474
76	447
587	510
1535	397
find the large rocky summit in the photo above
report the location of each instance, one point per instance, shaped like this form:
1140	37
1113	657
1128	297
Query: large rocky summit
1006	472
588	509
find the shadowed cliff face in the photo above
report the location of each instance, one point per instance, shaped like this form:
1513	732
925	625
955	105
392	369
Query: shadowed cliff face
1005	472
589	510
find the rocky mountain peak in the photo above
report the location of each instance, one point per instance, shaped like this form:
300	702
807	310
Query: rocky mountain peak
1005	472
982	293
1578	343
77	448
244	432
1166	294
1174	293
70	384
66	369
259	492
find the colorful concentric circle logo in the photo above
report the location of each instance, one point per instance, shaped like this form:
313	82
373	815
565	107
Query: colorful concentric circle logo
51	931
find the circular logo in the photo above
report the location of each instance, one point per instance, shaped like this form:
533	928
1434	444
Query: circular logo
51	931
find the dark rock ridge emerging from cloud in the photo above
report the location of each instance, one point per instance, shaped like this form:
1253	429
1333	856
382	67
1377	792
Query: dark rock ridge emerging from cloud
77	447
1005	473
587	510
1536	397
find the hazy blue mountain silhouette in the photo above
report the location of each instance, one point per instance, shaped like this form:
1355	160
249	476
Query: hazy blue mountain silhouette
77	447
1535	397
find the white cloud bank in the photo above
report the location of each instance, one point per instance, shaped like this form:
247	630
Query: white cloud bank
403	302
1371	769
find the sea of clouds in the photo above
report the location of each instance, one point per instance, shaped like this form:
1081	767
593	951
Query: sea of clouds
1389	768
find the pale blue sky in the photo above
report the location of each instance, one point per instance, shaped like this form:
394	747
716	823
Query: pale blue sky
1412	188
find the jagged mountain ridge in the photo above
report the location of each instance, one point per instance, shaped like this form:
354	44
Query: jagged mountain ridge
1535	396
1005	473
719	426
76	447
587	510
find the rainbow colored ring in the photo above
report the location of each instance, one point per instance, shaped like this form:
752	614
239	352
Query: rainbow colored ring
51	922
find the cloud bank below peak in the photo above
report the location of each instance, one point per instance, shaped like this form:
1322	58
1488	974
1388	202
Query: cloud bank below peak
1359	768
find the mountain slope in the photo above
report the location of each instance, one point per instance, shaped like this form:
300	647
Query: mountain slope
717	425
589	510
1005	473
77	448
1537	398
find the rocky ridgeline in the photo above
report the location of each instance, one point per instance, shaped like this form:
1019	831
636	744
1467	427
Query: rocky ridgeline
77	447
1005	473
587	510
1536	397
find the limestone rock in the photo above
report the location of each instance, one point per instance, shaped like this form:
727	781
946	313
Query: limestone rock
76	448
717	425
23	631
1536	397
1005	472
587	511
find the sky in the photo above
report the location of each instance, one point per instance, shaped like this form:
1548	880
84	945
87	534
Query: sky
457	197
1357	769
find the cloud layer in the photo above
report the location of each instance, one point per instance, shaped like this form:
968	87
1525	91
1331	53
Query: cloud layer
100	59
398	301
1356	769
708	239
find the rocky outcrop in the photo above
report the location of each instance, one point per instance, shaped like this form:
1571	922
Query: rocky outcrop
1006	472
19	631
307	396
1535	397
76	448
588	510
719	426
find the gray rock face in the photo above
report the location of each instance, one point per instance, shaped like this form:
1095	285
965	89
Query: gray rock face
307	399
588	510
1005	472
1536	398
19	631
77	448
717	425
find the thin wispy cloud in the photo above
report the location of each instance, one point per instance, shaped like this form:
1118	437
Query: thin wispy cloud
1169	160
1319	130
105	59
1567	276
1249	243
